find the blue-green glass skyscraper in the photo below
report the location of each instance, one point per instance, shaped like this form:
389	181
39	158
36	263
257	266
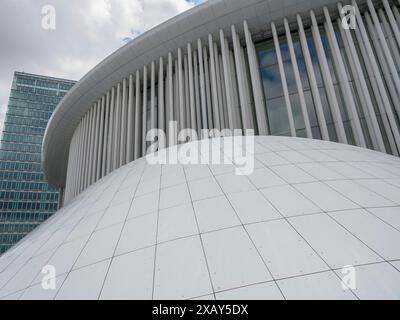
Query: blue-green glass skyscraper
26	200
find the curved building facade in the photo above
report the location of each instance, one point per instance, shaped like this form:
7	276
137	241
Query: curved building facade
315	220
315	69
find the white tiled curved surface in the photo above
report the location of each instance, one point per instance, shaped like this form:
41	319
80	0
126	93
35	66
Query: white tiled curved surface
172	232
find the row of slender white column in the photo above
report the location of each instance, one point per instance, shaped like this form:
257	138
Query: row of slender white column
217	85
209	85
387	52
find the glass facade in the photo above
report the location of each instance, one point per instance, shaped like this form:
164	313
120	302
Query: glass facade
26	200
274	95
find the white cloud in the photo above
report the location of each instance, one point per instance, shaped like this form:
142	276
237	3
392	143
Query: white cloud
86	32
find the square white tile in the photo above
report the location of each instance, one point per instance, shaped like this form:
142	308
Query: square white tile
334	244
204	188
377	282
284	251
232	183
196	172
114	215
233	259
252	207
325	197
174	196
390	215
292	174
320	171
138	233
144	204
130	276
221	216
289	202
319	286
263	291
176	222
358	194
181	270
375	233
100	246
84	283
263	178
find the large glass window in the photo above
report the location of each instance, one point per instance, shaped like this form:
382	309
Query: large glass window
273	91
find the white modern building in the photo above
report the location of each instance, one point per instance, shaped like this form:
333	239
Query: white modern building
313	216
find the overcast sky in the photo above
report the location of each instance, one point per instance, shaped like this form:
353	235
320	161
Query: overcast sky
86	32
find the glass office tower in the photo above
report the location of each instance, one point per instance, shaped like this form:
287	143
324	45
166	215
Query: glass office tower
26	200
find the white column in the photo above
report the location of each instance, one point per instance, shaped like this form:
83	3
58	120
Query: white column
75	158
192	103
392	21
326	75
138	118
197	92
344	82
284	83
79	161
258	95
123	130
101	139
161	106
153	120
117	129
71	176
298	80
182	116
247	84
96	142
384	67
176	95
202	85
170	112
144	112
389	83
237	119
111	134
70	169
220	87
377	74
85	149
166	103
361	85
396	14
214	89
106	146
228	89
88	147
187	98
240	77
208	90
392	41
91	147
131	121
80	158
385	47
313	82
